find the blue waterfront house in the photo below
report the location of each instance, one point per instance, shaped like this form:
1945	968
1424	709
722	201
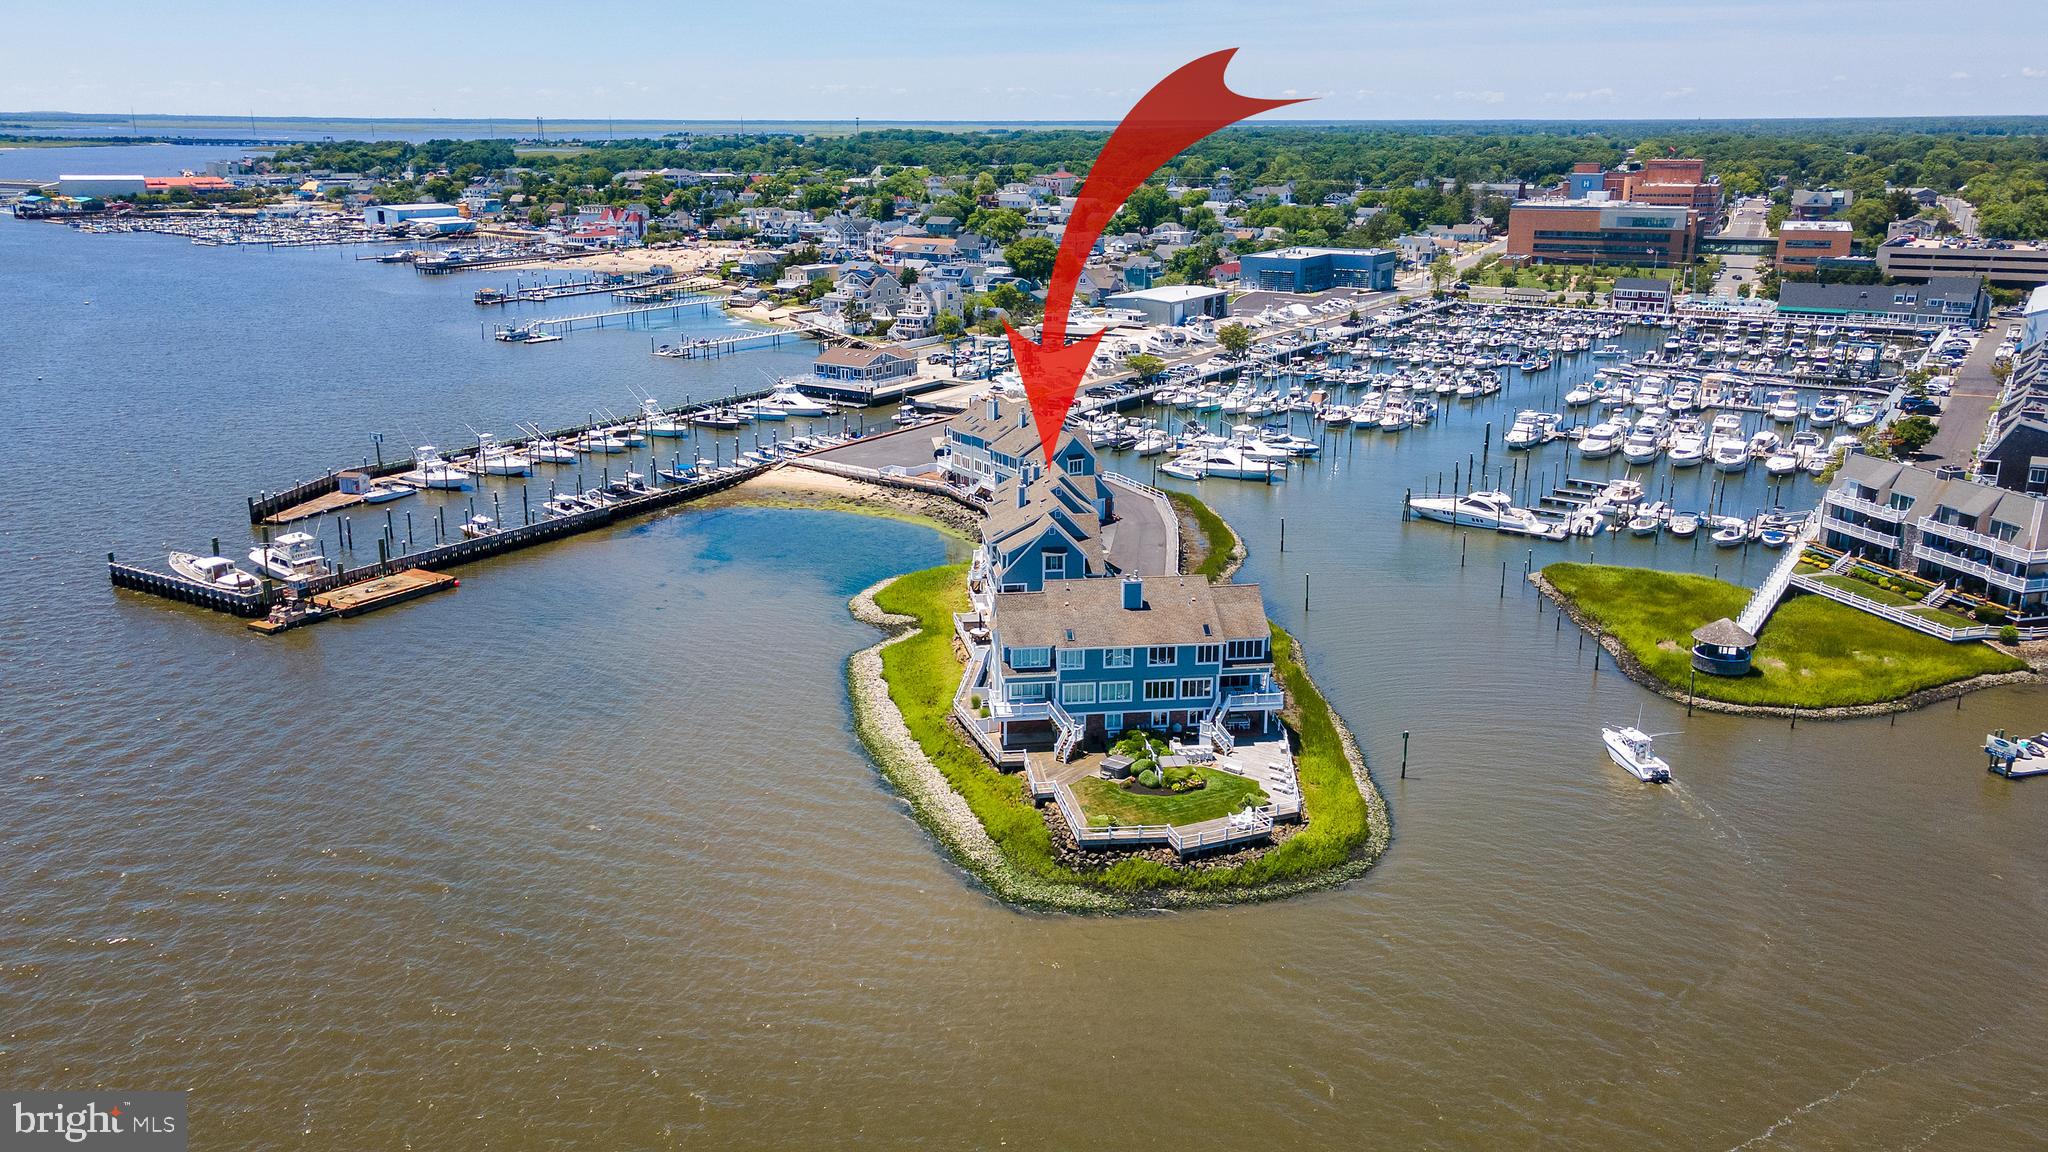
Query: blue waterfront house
1081	660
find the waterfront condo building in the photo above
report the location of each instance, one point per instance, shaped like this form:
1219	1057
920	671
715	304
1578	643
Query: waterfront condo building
1047	527
1600	232
1802	244
995	442
1974	537
1957	300
1085	659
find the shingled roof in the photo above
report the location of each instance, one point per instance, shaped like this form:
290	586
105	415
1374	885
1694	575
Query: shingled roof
1724	633
1090	614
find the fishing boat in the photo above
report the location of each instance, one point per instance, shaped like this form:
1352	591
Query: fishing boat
213	571
382	492
2017	757
1630	748
659	423
292	557
546	450
1643	524
1683	525
1731	536
725	418
600	441
477	527
1477	510
1152	442
1773	537
493	459
430	471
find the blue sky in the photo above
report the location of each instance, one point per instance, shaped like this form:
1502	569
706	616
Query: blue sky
966	60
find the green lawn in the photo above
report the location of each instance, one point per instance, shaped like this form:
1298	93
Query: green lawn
1224	794
1814	653
923	674
1217	540
1871	591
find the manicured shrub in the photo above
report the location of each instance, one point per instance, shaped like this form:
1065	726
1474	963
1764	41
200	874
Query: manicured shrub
1149	778
1989	613
2009	635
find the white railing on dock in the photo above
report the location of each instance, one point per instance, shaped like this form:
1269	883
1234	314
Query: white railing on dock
1773	588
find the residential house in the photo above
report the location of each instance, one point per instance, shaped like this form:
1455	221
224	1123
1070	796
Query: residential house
1016	197
1641	294
1091	658
1043	528
1056	184
993	444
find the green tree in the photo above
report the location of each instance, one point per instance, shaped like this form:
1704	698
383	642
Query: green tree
1442	271
1150	204
1908	436
1001	225
1144	365
907	277
949	325
1235	338
1032	257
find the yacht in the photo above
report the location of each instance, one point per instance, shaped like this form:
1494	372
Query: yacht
1228	461
1152	442
1600	440
1826	411
430	471
1531	428
784	402
725	418
1784	406
1630	748
1731	455
1581	396
213	571
1645	441
291	556
1688	445
1477	510
1862	414
1782	461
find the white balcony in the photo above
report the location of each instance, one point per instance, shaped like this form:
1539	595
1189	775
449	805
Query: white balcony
1008	710
1985	572
1860	531
1841	499
1269	700
1976	539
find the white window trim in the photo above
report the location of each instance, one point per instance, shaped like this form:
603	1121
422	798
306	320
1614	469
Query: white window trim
1080	692
1116	657
1073	659
1114	692
1171	687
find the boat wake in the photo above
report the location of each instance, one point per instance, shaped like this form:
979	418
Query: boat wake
1818	1102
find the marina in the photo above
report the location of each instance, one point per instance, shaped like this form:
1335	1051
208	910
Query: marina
416	842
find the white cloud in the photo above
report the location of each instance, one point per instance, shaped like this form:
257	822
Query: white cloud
1486	97
1679	93
1959	75
2033	73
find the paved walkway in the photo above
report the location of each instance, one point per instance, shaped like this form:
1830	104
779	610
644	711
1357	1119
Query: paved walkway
1145	539
1968	409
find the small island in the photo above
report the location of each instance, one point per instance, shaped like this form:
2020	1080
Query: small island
1084	737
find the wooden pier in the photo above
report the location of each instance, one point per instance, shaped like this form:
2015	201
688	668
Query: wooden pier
345	597
597	284
322	494
563	325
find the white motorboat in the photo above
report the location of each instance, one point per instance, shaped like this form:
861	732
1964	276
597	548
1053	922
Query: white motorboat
1688	446
1862	414
1644	443
1683	525
659	423
786	401
213	571
292	556
1782	461
1731	536
1531	428
1731	455
430	471
384	493
600	441
1477	510
1784	406
1232	463
1630	748
1581	396
1601	440
1152	442
493	459
544	450
479	526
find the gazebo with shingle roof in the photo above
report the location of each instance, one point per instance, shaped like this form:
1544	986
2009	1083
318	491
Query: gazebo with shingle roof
1722	648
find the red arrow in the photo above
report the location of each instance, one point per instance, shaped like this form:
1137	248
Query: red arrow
1179	110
